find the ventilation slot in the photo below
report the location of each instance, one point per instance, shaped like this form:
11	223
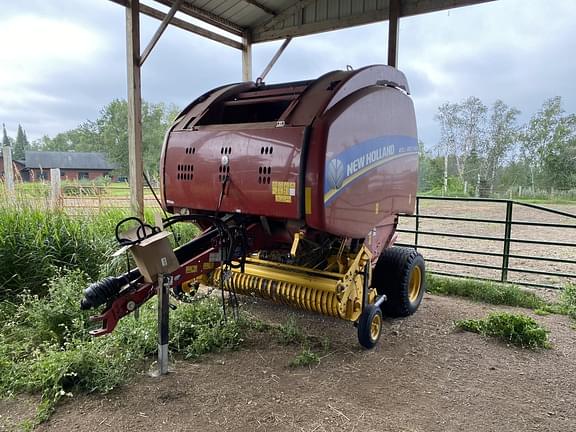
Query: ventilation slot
224	172
264	175
266	150
185	172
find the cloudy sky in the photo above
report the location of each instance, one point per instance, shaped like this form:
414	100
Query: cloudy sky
61	61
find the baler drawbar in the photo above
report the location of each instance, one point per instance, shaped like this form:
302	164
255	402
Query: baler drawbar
297	188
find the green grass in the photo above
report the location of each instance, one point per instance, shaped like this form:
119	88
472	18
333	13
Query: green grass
516	329
305	358
290	333
35	243
45	347
503	294
485	292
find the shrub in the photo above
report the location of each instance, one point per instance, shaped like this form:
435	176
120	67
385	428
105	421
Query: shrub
517	329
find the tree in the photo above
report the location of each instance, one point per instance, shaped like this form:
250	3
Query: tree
109	134
462	134
21	144
5	139
501	136
549	146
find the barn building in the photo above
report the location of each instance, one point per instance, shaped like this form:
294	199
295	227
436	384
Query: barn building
73	165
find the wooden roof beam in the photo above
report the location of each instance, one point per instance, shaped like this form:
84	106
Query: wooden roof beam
185	25
262	7
207	17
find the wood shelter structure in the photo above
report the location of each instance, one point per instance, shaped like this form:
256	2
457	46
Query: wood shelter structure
241	23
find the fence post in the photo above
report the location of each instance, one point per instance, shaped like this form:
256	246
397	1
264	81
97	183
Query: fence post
507	235
56	189
8	171
417	222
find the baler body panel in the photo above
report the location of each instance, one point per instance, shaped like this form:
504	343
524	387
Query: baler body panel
337	154
369	168
263	169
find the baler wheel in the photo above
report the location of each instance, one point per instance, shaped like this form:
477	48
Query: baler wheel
370	326
400	275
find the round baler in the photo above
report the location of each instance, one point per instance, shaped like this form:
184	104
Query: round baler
297	187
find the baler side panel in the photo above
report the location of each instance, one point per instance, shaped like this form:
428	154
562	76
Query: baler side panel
263	168
370	170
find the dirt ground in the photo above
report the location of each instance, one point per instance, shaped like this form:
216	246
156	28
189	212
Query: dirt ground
496	212
423	376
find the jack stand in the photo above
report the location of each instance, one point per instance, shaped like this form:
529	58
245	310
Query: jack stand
164	284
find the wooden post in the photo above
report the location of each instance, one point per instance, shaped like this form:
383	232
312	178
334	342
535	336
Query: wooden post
135	160
393	19
247	57
8	171
56	189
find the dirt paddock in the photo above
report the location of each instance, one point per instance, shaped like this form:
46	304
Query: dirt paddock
423	376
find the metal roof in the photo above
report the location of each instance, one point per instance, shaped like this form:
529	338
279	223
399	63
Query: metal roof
67	160
275	19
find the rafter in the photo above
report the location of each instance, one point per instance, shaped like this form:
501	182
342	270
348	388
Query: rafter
207	17
262	7
185	25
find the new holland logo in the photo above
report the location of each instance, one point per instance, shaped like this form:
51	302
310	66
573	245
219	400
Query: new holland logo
335	174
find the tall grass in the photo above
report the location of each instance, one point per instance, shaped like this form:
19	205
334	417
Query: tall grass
35	242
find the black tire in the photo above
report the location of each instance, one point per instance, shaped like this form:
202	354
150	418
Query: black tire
370	327
396	275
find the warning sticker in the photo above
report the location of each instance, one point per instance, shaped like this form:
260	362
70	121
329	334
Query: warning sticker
283	198
283	191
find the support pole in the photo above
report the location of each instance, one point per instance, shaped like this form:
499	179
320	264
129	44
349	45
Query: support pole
393	20
135	160
247	57
164	282
8	171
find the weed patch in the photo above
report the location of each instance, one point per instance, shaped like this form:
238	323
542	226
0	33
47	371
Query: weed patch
517	329
306	357
289	333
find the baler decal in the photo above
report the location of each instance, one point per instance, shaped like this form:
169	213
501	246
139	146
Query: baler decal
358	160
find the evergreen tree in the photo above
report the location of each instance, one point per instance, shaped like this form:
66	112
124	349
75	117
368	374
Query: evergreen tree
21	144
5	139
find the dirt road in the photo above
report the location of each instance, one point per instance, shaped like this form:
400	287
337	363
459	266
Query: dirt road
423	376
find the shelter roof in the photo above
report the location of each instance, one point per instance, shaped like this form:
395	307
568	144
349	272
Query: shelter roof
67	160
266	20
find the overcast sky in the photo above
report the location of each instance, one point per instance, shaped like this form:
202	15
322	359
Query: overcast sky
61	61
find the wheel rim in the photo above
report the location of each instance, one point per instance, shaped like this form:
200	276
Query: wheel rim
415	284
375	327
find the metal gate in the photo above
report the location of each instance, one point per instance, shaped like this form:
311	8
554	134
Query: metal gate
494	239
